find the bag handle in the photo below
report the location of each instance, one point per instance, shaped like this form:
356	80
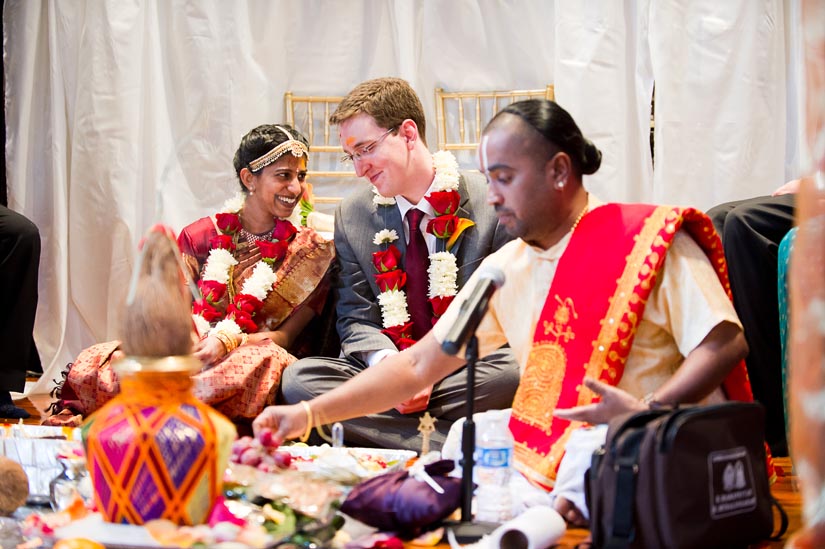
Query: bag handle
783	520
622	531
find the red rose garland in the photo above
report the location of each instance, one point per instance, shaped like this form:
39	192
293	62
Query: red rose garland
446	226
240	313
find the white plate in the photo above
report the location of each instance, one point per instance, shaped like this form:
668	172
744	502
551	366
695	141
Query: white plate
348	464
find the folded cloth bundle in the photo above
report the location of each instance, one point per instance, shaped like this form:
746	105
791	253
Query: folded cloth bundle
404	501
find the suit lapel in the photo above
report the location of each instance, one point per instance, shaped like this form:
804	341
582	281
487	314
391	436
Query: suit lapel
386	217
463	211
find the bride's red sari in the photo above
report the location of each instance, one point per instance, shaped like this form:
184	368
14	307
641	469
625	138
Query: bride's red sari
245	380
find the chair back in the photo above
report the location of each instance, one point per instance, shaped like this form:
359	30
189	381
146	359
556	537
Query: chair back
461	116
329	175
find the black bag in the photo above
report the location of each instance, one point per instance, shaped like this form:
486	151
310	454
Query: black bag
688	477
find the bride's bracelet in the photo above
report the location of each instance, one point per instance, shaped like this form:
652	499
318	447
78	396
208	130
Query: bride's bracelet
228	340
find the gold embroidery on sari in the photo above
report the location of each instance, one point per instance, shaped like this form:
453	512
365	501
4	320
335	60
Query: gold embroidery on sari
540	383
533	465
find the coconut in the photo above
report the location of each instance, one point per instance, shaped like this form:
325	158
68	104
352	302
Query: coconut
14	486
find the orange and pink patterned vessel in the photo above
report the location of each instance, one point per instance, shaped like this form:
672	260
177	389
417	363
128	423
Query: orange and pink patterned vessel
155	451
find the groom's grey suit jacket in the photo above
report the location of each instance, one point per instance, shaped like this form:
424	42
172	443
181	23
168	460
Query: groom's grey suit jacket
357	219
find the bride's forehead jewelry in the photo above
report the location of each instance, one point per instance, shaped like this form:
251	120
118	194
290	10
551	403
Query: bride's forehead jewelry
292	145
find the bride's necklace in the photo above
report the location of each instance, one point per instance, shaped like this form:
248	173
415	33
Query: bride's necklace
252	237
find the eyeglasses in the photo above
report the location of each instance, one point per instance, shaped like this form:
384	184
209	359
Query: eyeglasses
367	149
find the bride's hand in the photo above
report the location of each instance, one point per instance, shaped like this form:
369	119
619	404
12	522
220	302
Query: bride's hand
209	351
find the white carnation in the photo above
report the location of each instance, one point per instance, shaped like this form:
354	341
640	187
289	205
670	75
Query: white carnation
226	325
446	172
201	324
380	200
260	281
443	275
385	236
234	204
218	264
393	308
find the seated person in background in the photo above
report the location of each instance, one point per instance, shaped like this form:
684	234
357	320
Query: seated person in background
262	280
592	331
751	231
19	266
382	129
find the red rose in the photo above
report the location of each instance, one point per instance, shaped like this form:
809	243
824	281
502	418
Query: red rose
386	260
440	304
398	332
222	241
248	303
207	311
242	319
391	280
404	343
212	290
442	226
444	202
284	230
228	223
272	251
389	543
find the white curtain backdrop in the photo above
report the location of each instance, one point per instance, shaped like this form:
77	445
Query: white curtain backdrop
121	114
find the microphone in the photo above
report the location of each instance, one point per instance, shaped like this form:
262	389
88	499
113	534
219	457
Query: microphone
472	309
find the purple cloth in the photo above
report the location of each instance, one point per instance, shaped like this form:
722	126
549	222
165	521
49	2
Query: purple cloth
400	503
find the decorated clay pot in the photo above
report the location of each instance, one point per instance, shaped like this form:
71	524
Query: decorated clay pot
155	451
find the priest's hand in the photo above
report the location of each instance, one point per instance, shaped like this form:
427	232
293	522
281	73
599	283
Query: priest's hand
614	401
282	423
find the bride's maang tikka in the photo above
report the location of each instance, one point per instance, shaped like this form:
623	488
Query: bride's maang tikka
297	148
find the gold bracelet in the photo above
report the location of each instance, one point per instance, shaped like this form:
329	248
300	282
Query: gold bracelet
244	339
219	336
650	401
308	410
228	340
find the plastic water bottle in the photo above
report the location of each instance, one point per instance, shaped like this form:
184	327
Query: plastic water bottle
493	467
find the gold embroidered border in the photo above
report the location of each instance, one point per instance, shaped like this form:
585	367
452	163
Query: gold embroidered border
536	467
620	324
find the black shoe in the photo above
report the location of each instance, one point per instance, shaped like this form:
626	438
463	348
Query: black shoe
10	411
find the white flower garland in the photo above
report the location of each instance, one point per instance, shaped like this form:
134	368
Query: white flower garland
380	200
446	172
218	267
442	273
385	236
393	308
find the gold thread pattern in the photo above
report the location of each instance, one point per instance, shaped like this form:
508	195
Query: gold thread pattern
540	383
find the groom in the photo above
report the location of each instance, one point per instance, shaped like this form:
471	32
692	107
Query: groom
418	204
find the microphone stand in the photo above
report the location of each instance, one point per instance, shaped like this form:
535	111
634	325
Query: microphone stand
467	531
